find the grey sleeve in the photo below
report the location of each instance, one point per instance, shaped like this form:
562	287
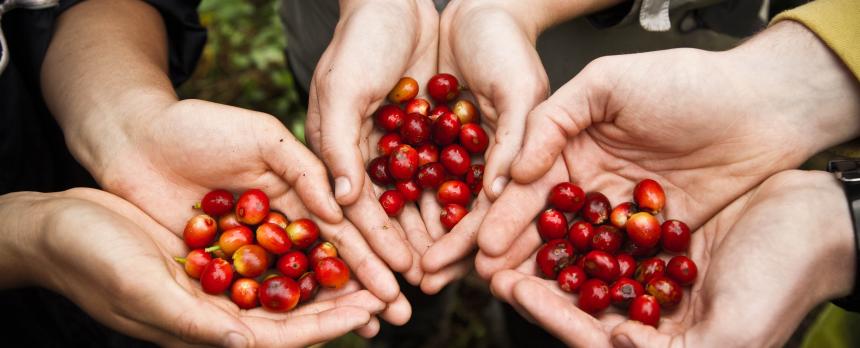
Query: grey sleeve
652	15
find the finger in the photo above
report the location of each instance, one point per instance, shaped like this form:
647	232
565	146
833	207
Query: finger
632	334
339	138
412	224
383	236
430	211
312	122
414	275
509	216
432	283
458	243
369	330
559	315
518	254
574	107
398	312
322	302
308	329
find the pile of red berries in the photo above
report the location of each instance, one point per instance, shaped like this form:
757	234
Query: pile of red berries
609	255
290	248
410	157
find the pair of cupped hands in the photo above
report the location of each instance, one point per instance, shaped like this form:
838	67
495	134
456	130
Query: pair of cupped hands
716	129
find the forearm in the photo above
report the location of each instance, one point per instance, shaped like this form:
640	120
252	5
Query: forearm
105	67
20	238
797	74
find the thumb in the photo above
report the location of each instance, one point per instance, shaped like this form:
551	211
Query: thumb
508	140
570	110
632	334
197	321
340	126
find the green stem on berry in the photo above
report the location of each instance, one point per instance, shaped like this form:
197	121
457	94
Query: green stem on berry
212	248
181	260
196	206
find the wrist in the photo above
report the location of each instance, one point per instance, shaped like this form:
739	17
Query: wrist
837	253
801	85
22	236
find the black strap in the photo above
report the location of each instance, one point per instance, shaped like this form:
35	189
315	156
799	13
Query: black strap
848	171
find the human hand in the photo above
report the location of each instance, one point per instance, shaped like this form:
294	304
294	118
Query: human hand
375	43
123	275
764	262
710	125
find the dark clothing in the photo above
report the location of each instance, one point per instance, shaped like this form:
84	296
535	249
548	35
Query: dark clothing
33	157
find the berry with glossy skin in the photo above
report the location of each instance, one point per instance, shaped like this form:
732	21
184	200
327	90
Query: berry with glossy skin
403	163
293	264
279	294
551	224
456	159
388	142
607	238
308	286
446	128
624	290
392	202
228	221
475	178
626	265
553	256
646	310
438	111
409	189
273	238
252	207
682	270
601	265
451	215
331	272
419	106
465	111
321	251
427	153
200	231
251	260
644	230
649	196
443	87
415	129
431	175
580	235
378	172
195	262
649	269
619	215
390	117
454	192
303	233
593	296
405	89
596	209
566	197
217	202
234	238
277	219
216	277
571	278
675	236
667	292
244	293
639	252
474	138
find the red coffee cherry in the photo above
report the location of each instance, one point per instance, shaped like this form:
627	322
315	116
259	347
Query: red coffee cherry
390	117
199	231
403	162
676	236
626	265
465	111
332	272
443	87
228	221
596	209
474	138
682	270
456	159
279	294
405	89
409	189
474	178
451	215
216	277
644	230
277	219
273	238
602	265
580	234
567	197
217	202
551	224
195	262
649	269
667	292
553	256
438	111
303	233
244	293
446	128
234	238
571	278
454	192
388	142
431	175
293	264
251	260
607	238
321	251
618	217
646	310
419	106
416	129
252	207
308	287
392	202
378	172
427	153
649	196
593	296
624	291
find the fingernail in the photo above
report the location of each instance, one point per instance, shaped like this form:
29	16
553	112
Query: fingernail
623	341
235	340
499	185
341	186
